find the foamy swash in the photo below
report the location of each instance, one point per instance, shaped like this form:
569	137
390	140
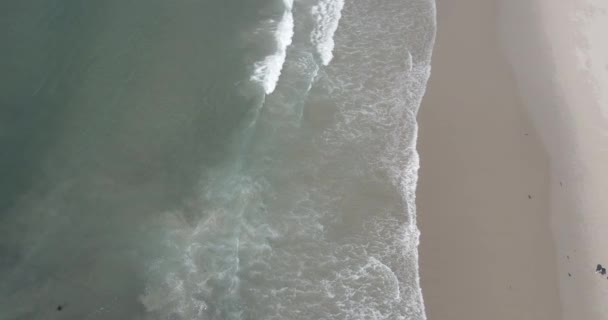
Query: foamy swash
320	223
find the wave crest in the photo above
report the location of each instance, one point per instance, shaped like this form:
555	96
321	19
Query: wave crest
327	14
268	71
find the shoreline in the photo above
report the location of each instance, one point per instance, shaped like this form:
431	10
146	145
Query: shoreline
486	247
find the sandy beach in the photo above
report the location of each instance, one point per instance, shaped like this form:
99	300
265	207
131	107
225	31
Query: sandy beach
560	67
486	250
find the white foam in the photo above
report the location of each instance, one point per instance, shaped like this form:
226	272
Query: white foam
268	71
327	14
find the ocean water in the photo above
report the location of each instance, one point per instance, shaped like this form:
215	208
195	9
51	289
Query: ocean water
207	159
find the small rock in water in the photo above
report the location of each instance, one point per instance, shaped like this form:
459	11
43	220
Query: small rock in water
603	272
529	197
598	268
59	307
569	275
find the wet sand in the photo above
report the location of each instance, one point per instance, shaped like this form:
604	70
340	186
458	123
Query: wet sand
483	197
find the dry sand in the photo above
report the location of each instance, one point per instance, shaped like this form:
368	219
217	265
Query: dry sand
483	197
560	57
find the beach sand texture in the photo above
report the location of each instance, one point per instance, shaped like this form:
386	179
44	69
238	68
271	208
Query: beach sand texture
561	68
483	196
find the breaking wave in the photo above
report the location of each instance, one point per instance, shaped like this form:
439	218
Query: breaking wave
327	14
268	71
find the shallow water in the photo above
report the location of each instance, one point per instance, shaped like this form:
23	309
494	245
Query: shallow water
211	159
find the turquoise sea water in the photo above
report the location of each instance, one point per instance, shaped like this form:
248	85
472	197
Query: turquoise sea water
205	159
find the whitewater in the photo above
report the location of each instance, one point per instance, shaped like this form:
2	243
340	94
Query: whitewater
254	162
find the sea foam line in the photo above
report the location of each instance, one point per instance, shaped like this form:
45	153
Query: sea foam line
327	14
268	71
